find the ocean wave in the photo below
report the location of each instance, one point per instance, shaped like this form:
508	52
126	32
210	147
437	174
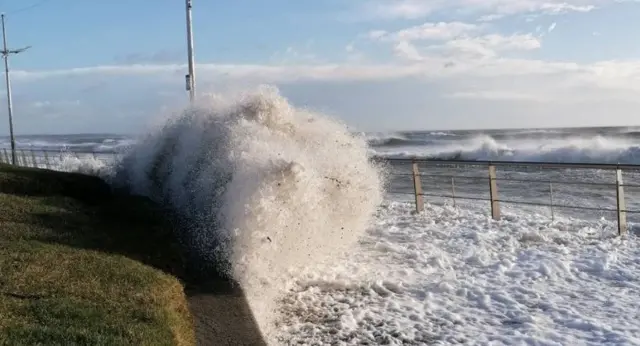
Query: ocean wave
382	139
265	188
403	140
594	149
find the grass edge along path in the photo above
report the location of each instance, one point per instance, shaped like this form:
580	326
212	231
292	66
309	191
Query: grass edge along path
80	265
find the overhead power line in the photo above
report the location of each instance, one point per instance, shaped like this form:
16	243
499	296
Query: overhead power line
30	7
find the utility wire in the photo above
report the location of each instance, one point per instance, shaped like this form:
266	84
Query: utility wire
30	7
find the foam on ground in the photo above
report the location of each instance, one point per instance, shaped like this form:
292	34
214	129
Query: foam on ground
452	276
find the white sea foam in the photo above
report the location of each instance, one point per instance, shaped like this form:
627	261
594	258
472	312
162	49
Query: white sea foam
453	276
267	188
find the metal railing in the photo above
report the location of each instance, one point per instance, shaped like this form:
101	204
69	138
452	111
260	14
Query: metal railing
50	158
512	171
413	171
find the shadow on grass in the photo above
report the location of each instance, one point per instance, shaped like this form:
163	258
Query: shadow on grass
81	211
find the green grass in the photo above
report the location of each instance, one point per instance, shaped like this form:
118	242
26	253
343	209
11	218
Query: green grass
80	265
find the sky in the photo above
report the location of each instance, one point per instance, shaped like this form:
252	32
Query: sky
377	65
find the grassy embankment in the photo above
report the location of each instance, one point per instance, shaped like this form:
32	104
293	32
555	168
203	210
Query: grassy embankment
82	265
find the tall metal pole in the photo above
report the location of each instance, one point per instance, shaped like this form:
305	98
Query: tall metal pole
5	54
191	77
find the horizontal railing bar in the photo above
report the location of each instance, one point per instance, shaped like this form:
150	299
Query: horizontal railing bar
70	151
537	204
439	175
518	163
456	197
436	195
419	160
555	182
514	180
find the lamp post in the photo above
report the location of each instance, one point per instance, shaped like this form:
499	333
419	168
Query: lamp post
191	77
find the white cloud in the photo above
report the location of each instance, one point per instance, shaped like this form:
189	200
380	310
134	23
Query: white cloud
53	104
406	9
454	39
491	17
407	51
552	27
293	55
427	31
490	45
487	10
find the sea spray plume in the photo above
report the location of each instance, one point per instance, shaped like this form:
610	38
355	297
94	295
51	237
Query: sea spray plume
182	165
266	188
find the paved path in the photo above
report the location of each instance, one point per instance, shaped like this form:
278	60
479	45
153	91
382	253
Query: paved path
222	316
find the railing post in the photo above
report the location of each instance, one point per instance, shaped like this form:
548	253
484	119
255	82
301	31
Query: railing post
6	156
553	218
46	159
417	188
493	192
33	157
621	205
453	190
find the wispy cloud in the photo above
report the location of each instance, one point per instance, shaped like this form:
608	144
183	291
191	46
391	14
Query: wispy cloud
160	57
453	40
606	74
427	31
495	95
487	10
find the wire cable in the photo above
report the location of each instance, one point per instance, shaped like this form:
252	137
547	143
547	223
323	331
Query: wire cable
30	7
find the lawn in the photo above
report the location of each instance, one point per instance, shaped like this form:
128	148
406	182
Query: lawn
82	265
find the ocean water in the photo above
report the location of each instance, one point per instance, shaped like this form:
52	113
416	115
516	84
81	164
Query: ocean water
592	145
348	262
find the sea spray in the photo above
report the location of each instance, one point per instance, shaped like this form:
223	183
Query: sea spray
266	188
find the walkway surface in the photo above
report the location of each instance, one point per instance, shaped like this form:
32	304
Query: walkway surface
222	316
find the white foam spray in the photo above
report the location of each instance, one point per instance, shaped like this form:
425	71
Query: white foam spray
267	188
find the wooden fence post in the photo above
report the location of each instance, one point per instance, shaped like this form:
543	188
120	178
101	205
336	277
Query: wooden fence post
6	156
493	192
33	157
621	204
417	188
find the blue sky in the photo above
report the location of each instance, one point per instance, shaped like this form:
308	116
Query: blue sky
117	66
